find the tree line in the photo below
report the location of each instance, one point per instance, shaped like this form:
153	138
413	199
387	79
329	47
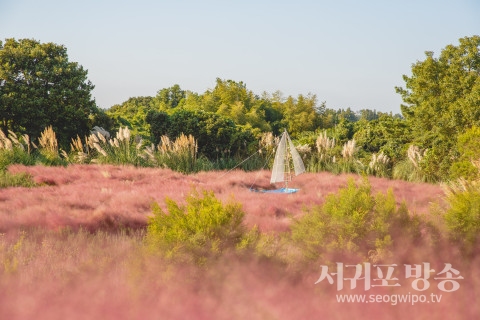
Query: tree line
436	138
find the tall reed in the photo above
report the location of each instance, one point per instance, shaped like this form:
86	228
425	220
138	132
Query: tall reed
15	150
122	149
179	155
410	169
349	161
324	159
379	165
48	148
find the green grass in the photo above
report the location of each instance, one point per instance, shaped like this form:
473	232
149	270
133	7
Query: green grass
15	180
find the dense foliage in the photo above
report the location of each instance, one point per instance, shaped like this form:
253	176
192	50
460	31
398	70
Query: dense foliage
354	221
435	140
40	87
202	227
442	101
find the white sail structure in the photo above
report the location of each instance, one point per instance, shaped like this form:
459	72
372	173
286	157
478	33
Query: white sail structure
286	156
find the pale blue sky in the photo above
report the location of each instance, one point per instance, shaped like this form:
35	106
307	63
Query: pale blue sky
349	53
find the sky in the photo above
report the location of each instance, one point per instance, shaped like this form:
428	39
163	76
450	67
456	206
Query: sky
350	54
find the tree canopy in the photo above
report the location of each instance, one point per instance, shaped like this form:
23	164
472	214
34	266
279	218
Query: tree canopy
217	136
442	100
39	87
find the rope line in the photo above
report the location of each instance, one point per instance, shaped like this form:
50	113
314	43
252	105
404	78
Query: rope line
266	163
239	164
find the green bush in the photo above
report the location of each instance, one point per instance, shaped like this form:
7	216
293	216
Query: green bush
353	221
202	228
468	148
463	216
463	169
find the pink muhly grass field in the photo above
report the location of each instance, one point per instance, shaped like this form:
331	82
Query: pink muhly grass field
82	256
105	196
80	275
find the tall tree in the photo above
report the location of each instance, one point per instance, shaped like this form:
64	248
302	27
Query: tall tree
232	100
300	114
442	100
170	97
39	87
386	134
132	113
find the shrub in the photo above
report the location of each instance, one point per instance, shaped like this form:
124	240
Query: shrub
202	228
463	216
463	169
353	221
468	147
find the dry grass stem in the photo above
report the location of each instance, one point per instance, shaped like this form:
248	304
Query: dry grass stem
48	140
349	150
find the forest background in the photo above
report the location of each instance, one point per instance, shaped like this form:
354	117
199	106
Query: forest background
434	139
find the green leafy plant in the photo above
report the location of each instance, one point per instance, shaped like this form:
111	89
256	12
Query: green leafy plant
463	216
352	222
201	228
468	148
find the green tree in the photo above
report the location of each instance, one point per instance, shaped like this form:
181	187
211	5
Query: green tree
229	92
442	100
39	87
217	136
300	114
233	100
159	123
468	147
387	134
132	114
169	98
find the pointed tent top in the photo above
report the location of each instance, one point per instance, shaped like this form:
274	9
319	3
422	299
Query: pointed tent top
285	146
